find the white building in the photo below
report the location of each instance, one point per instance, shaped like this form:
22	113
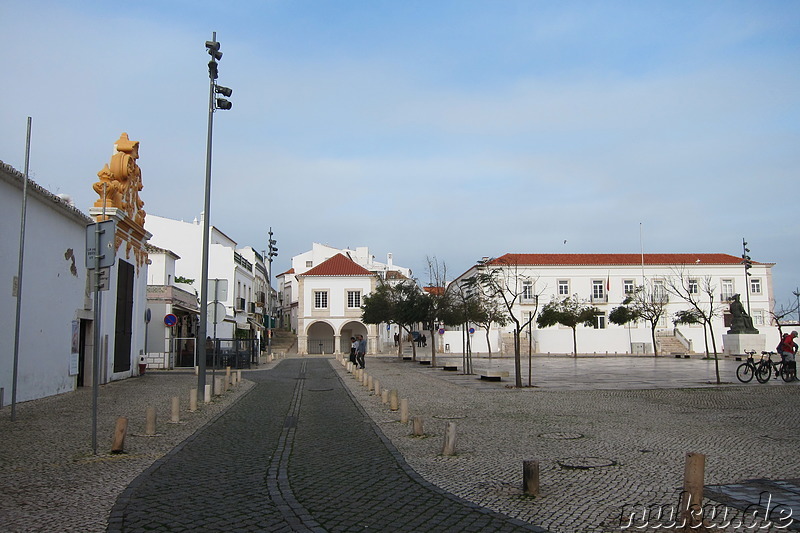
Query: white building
241	272
604	280
320	297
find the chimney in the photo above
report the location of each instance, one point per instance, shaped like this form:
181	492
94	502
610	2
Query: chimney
389	260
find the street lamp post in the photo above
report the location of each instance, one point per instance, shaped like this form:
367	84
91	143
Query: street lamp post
212	47
273	251
748	264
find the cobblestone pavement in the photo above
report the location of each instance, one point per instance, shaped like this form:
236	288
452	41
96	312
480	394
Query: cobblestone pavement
49	478
604	451
295	454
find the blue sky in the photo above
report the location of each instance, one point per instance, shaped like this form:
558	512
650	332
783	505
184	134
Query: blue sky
454	129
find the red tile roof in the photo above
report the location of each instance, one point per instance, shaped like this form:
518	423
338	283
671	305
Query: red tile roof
290	271
436	291
338	265
614	259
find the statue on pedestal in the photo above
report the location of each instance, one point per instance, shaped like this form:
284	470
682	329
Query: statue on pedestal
741	322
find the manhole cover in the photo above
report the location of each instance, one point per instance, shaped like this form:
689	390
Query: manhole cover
585	463
561	435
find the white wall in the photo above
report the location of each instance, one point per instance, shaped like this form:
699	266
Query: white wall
53	294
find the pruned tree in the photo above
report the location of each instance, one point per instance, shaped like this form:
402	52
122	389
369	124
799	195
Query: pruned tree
699	294
462	309
647	305
437	300
778	313
504	282
570	312
490	312
402	304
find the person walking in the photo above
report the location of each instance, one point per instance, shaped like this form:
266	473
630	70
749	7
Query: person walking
361	351
788	349
353	349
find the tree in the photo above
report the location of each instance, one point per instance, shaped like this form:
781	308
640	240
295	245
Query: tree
649	306
502	281
402	304
462	309
702	309
489	312
570	312
437	300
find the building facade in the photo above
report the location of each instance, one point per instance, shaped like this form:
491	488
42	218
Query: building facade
605	280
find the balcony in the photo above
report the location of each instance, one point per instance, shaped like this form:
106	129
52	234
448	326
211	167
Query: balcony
239	304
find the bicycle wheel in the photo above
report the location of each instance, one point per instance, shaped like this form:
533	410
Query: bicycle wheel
763	372
788	372
745	372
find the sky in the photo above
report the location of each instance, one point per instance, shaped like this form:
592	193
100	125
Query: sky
447	129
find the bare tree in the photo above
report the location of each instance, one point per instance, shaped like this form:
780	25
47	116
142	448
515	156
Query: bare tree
647	305
437	300
699	294
503	281
779	313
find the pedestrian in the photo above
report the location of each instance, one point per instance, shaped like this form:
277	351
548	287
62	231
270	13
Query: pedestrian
788	349
353	349
361	351
424	340
396	339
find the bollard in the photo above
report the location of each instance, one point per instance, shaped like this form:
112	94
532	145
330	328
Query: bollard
239	376
404	411
530	477
692	496
449	447
377	387
364	378
150	421
370	384
121	430
193	400
176	410
416	422
217	386
207	393
197	371
393	400
227	374
385	397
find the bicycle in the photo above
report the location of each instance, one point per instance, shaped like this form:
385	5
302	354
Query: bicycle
766	366
748	369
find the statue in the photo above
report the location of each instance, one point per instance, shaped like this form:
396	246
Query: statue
741	322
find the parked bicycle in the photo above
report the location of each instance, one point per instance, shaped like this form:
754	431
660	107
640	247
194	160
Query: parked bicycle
767	366
748	369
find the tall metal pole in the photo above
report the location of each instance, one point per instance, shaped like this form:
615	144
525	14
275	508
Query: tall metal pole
269	294
203	330
96	326
745	261
19	274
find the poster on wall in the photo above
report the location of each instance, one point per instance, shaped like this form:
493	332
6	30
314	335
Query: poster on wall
76	346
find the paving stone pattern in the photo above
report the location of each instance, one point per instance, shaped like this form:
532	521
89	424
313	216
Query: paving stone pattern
295	454
633	442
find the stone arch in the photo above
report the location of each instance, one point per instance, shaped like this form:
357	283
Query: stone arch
351	329
320	338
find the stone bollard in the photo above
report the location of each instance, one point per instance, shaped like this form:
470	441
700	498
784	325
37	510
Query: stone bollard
238	376
385	397
197	371
692	495
404	411
364	378
377	387
193	400
449	447
530	477
227	375
393	404
176	410
416	423
150	421
370	384
120	431
218	385
207	393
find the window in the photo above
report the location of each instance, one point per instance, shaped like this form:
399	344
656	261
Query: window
727	289
693	287
598	290
628	286
600	321
320	299
309	264
758	317
755	286
659	291
353	299
527	292
563	287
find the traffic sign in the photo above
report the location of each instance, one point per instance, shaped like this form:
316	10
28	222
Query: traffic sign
216	312
471	331
170	320
107	254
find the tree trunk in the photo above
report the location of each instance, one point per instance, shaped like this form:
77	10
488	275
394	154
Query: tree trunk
714	345
653	337
517	359
575	342
433	347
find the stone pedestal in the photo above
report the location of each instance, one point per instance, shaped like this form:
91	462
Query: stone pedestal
737	343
